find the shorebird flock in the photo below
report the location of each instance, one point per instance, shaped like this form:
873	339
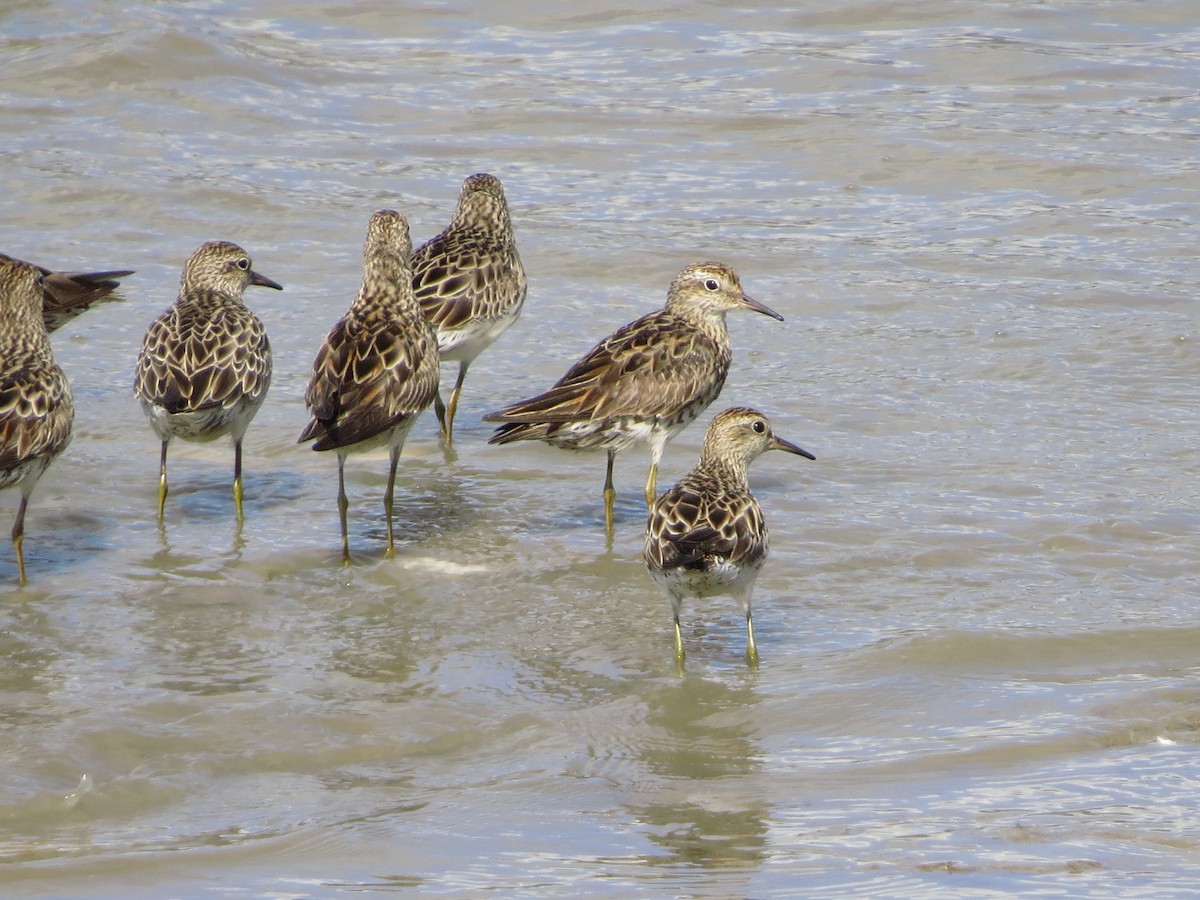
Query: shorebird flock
204	370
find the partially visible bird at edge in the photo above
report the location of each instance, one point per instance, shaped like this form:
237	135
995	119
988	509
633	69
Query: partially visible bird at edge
36	406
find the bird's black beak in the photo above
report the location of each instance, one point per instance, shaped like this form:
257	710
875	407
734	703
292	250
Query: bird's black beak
778	443
750	303
264	281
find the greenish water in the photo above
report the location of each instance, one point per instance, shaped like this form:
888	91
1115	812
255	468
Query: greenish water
977	624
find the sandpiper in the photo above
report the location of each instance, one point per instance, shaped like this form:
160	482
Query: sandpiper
470	282
706	535
205	363
645	382
377	369
36	408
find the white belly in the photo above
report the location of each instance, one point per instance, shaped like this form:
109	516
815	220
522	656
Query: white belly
475	336
203	424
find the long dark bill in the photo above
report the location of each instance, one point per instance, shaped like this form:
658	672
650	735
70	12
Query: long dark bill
264	281
751	303
778	443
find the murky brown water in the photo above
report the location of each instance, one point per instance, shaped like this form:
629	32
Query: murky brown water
978	624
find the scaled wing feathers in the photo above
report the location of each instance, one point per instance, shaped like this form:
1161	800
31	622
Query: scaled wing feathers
693	529
648	368
370	374
26	406
196	362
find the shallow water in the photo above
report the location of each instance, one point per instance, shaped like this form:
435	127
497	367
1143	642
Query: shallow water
977	624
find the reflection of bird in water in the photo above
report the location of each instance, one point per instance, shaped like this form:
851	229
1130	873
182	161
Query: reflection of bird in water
703	801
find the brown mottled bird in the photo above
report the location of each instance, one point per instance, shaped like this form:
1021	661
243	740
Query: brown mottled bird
205	363
706	535
36	408
67	294
377	369
470	282
644	383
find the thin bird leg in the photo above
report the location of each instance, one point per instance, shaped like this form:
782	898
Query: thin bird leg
452	409
343	508
237	480
678	641
18	539
440	409
651	483
162	481
610	493
751	647
388	501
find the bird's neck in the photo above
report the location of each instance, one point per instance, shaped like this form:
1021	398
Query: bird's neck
480	214
386	290
386	265
207	297
732	472
26	320
710	322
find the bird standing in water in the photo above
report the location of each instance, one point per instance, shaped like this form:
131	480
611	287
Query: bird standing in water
644	383
706	535
377	369
205	363
470	282
36	407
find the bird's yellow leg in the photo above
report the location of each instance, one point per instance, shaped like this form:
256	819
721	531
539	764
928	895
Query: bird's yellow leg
751	647
610	493
439	409
238	492
651	484
18	539
162	481
452	409
389	500
18	542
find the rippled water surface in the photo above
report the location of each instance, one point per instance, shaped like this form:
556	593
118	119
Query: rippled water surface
978	624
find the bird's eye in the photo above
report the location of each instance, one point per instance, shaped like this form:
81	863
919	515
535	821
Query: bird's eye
759	426
710	284
243	264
